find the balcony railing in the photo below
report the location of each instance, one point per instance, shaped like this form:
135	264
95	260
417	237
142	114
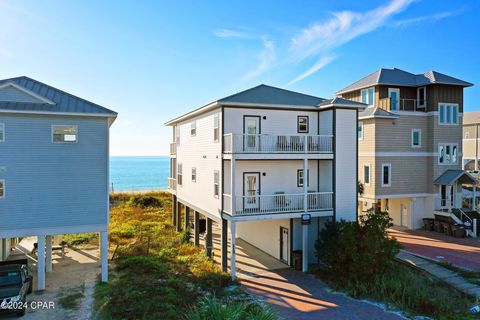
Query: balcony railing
268	143
402	104
172	184
173	148
277	203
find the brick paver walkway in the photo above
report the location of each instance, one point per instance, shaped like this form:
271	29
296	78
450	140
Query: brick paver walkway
464	252
296	295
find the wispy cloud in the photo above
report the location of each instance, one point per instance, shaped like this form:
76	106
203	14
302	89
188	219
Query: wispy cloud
230	33
322	62
423	19
265	59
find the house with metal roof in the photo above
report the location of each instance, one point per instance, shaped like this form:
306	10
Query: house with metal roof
54	156
410	144
266	165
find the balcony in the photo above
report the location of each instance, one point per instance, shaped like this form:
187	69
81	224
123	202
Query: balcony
402	105
173	148
277	203
267	143
172	185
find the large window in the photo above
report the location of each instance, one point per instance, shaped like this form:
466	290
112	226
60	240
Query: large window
448	114
366	174
194	174
2	189
360	131
386	175
66	134
447	153
368	96
302	124
2	132
421	97
301	178
193	128
416	138
180	174
216	128
216	183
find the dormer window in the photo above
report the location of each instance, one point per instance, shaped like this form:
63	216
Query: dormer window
421	97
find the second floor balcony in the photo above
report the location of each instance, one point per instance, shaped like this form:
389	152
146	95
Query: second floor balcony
172	185
394	105
269	143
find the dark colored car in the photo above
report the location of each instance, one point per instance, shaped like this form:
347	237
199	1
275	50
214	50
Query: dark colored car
16	281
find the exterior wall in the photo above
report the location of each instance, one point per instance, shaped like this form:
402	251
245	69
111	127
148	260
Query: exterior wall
444	93
200	151
367	144
325	122
369	189
401	129
53	185
471	145
314	228
345	170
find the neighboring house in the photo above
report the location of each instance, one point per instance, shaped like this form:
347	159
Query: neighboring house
410	143
259	161
54	155
471	140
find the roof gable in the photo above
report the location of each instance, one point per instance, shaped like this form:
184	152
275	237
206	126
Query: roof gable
11	92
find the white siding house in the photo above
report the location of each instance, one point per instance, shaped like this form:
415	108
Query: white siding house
240	162
54	155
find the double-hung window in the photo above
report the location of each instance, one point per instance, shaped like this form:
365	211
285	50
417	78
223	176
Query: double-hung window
2	189
194	174
301	178
193	128
64	134
2	132
216	128
216	183
180	174
302	124
360	131
368	96
386	174
416	138
366	174
447	153
448	113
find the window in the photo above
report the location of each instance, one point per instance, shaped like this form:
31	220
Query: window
67	134
364	95
180	174
194	174
2	132
448	114
193	128
360	131
216	128
368	96
300	178
177	135
2	189
216	183
366	174
447	153
421	97
466	135
302	124
386	175
416	138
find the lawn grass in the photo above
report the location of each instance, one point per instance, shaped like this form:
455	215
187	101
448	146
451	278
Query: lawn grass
410	291
69	298
156	273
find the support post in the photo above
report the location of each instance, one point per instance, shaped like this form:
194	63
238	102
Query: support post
209	238
474	199
233	271
104	254
232	184
196	229
449	198
224	245
475	228
48	254
179	217
41	262
174	210
305	184
305	248
187	218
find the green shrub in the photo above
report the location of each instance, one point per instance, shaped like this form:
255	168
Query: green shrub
145	201
73	240
355	252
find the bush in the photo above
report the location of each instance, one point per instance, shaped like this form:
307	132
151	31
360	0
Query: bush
355	252
145	201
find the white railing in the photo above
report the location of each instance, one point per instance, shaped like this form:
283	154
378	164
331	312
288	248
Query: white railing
173	148
277	203
269	143
172	184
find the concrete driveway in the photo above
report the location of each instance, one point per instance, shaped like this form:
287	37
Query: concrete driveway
463	252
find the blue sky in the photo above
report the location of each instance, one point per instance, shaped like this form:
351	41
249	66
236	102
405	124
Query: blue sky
153	60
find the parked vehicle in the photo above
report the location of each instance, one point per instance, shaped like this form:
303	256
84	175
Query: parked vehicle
16	282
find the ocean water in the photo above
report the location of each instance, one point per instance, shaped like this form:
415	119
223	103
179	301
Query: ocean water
139	173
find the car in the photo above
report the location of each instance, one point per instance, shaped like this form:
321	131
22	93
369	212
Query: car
16	282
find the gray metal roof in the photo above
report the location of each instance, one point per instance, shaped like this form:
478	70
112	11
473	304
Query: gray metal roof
63	102
337	101
471	118
403	78
377	113
450	176
264	94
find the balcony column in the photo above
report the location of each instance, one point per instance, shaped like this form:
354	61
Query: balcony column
179	217
196	229
224	245
305	184
48	253
305	248
187	217
209	238
232	183
174	210
232	251
449	198
41	262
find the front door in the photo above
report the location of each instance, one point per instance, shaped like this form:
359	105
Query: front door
251	190
251	131
404	215
444	196
394	95
284	244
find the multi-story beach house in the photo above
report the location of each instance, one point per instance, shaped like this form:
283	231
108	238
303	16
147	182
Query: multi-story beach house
268	165
410	143
54	154
471	140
